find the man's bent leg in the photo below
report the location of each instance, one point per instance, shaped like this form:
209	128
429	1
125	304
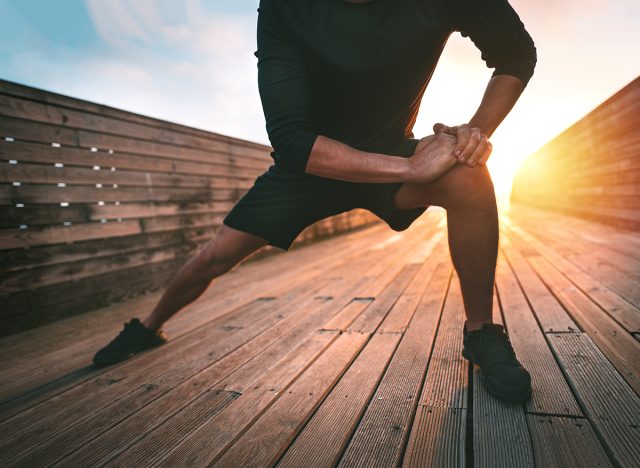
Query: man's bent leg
217	257
467	195
472	219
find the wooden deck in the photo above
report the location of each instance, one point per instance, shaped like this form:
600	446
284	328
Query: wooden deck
347	352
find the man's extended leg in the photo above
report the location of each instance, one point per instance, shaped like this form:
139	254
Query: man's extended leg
217	257
467	195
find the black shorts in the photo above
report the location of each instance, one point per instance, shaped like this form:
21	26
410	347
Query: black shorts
281	204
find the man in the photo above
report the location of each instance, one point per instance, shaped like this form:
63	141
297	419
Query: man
341	83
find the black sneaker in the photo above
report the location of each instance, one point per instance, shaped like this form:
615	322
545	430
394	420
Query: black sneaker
135	337
502	375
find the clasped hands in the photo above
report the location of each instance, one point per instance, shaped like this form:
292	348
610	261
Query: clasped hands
472	146
436	154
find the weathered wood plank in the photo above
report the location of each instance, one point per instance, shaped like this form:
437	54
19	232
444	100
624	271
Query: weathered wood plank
626	314
500	434
27	173
382	433
440	439
48	97
438	432
325	436
445	385
559	441
498	424
548	311
292	402
550	392
22	151
609	403
548	178
619	347
32	112
36	132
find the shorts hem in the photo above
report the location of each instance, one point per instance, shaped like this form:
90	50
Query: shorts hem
284	245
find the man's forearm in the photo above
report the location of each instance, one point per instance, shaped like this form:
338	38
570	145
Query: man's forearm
499	98
335	160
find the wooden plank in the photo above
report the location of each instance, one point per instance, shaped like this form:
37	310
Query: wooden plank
369	320
45	133
548	311
42	438
38	194
609	403
551	394
500	434
325	436
404	308
38	215
69	156
440	438
32	112
559	441
48	97
625	242
446	383
438	432
289	411
498	424
48	174
627	315
382	433
18	238
238	370
613	340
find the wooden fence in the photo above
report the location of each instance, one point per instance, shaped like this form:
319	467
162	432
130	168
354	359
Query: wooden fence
592	169
99	204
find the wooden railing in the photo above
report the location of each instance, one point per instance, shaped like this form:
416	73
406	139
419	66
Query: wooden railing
592	169
98	204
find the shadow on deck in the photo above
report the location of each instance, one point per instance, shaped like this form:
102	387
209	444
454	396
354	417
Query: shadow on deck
347	352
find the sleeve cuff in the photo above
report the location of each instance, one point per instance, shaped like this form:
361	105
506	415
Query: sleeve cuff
521	69
294	157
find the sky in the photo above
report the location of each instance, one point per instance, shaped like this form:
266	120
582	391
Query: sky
192	62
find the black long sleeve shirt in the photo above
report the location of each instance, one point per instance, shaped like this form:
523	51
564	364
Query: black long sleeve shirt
356	72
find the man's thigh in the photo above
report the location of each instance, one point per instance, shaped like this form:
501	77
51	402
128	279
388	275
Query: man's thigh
281	204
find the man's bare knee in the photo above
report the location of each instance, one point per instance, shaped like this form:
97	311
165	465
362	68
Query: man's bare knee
470	188
227	249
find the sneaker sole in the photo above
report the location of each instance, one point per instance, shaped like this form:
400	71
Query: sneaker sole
124	357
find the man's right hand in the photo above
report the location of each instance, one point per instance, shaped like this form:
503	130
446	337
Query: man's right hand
432	158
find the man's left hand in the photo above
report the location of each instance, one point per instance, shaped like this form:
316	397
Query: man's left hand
473	147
